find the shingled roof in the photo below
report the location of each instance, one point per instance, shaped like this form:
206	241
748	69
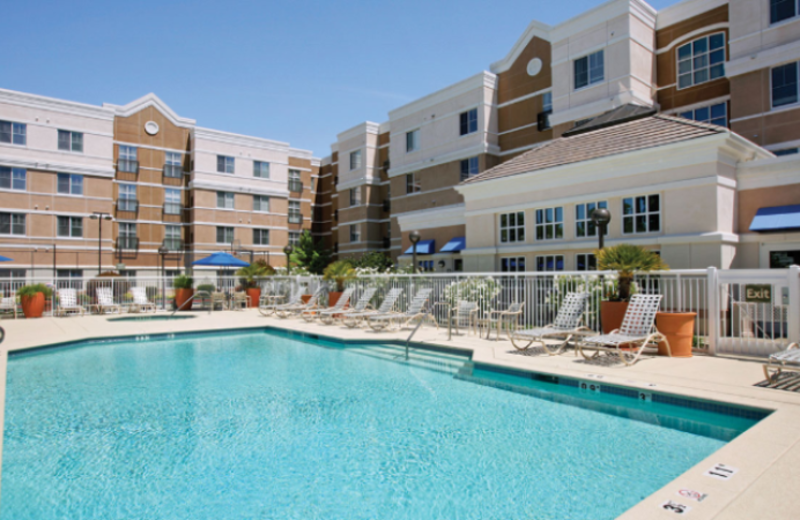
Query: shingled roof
650	132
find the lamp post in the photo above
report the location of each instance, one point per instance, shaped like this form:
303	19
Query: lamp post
414	236
100	216
288	251
162	251
601	217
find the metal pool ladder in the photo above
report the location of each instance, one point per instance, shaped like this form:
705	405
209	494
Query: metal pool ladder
421	321
195	295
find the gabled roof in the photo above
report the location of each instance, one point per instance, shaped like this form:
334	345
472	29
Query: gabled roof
650	132
149	100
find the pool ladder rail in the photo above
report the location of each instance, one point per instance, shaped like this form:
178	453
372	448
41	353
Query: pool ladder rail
425	315
195	295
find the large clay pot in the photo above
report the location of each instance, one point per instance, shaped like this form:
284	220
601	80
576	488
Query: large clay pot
611	315
305	298
181	297
255	296
678	327
33	306
333	297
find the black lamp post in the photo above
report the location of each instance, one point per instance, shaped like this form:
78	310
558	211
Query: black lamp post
601	217
100	216
414	236
288	251
162	251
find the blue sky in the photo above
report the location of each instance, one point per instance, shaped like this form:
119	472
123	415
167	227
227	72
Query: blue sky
296	71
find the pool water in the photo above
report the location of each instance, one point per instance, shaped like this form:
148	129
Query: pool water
260	426
154	317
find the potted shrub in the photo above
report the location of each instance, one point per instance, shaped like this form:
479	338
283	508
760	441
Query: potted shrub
626	260
248	278
183	292
339	272
32	298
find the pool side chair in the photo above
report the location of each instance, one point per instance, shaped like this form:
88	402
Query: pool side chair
328	317
68	302
219	298
464	315
344	299
354	319
240	301
9	304
636	334
268	304
416	310
105	301
288	311
566	325
140	301
786	360
507	318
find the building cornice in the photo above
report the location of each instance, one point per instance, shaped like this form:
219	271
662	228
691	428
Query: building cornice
481	80
767	173
602	13
431	218
13	97
240	140
763	59
59	167
237	188
685	10
150	100
367	127
535	29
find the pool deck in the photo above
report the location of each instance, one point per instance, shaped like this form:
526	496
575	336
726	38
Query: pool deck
767	456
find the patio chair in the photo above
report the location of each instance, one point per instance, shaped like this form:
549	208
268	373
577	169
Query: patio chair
219	298
105	301
354	319
239	301
287	311
465	314
140	301
788	360
268	304
498	318
416	309
636	334
327	317
68	302
9	304
344	299
566	325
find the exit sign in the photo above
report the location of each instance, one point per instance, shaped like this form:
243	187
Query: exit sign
758	293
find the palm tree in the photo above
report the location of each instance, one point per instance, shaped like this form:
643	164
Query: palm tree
340	271
628	260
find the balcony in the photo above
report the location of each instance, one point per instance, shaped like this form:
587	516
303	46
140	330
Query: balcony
387	204
131	205
295	186
127	243
173	208
295	218
173	171
172	244
128	165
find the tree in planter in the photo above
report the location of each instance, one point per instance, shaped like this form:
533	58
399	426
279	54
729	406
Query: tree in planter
340	272
183	291
248	278
32	298
627	260
310	254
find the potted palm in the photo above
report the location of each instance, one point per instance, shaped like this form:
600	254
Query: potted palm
32	298
248	278
626	260
183	292
339	272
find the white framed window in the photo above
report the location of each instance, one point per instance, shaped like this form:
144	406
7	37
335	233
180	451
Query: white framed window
69	227
512	264
128	161
550	223
225	200
547	102
261	203
224	235
716	114
355	159
469	167
584	225
127	197
226	164
12	224
127	236
512	227
780	10
261	169
63	277
127	229
784	81
585	262
355	196
355	233
589	70
468	122
70	141
550	263
172	201
173	159
13	133
72	184
641	214
172	235
701	60
13	178
412	183
294	238
261	237
786	151
412	141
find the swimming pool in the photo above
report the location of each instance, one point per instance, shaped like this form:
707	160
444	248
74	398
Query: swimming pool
262	425
153	317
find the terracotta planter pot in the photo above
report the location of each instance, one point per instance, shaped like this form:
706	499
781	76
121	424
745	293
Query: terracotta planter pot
255	296
32	306
305	298
181	297
333	297
611	314
678	327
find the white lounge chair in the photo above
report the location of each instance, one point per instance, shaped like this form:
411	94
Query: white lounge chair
415	310
788	360
328	316
354	319
637	332
9	303
105	301
68	302
140	301
287	311
567	324
269	304
344	299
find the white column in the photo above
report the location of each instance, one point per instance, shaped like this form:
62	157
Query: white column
712	304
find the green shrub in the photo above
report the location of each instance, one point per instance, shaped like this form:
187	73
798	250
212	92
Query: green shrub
183	282
34	289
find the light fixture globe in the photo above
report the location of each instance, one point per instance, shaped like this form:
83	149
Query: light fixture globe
601	216
414	236
288	250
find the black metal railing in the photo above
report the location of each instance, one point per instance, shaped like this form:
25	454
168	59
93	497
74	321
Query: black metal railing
127	205
173	208
173	171
128	165
127	243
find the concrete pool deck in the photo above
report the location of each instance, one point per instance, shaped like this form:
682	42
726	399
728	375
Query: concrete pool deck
766	456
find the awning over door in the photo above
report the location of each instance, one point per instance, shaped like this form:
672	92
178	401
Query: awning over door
776	218
455	245
424	247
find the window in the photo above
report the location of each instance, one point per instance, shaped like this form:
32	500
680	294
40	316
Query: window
469	121
784	85
547	102
13	133
128	161
261	237
71	184
261	203
412	141
469	167
294	238
701	60
12	224
127	273
585	262
714	114
16	277
295	182
172	238
783	259
225	200
173	158
70	141
584	225
172	201
786	151
458	265
550	223
127	197
355	159
355	233
514	264
355	196
641	214
224	235
295	217
261	169
69	279
127	236
173	165
589	70
12	178
550	263
225	164
512	227
412	184
71	227
425	266
780	10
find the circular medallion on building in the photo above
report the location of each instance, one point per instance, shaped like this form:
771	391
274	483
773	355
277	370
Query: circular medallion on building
151	127
534	66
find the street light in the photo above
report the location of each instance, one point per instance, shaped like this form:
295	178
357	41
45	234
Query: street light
288	251
601	217
100	216
414	236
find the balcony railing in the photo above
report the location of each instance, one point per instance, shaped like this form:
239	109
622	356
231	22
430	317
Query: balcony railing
295	218
173	208
173	171
128	243
172	244
387	204
296	186
128	165
127	205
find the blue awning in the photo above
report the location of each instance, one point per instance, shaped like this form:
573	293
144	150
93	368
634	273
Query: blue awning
424	247
455	245
776	218
221	259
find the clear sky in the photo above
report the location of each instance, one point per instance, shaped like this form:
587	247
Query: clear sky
296	71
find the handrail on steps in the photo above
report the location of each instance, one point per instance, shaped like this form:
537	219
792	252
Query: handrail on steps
195	295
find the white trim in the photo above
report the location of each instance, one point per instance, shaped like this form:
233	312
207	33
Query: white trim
150	100
685	10
767	173
68	153
32	164
481	80
149	147
535	29
237	139
603	13
237	188
432	218
690	36
480	148
764	59
526	96
365	128
53	194
25	99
